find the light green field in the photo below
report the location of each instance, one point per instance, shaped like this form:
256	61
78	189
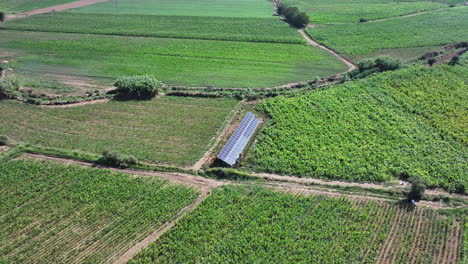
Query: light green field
412	122
216	8
244	224
166	130
11	6
217	28
431	29
174	61
53	213
343	11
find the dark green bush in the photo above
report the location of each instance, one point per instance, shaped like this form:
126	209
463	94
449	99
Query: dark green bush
417	188
370	66
116	159
229	174
3	140
138	87
293	16
363	20
9	89
2	16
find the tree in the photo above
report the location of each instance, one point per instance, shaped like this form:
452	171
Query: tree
417	188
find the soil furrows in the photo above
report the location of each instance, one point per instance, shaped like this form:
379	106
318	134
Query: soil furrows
386	246
453	243
403	229
163	229
422	232
440	246
410	234
382	217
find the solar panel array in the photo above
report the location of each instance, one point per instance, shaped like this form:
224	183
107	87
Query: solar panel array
239	139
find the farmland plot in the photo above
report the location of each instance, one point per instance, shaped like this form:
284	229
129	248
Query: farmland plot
404	123
164	130
426	30
345	11
174	61
240	224
52	213
190	27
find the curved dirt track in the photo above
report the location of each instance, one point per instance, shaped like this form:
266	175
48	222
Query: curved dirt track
312	42
56	8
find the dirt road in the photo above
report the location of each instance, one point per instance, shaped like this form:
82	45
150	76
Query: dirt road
55	8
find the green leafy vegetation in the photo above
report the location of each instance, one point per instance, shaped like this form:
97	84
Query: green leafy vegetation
239	224
213	8
138	87
293	16
344	11
431	29
174	61
166	130
62	214
402	123
216	28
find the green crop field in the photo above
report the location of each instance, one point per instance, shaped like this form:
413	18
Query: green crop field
213	8
28	5
174	61
67	214
239	224
431	29
404	123
343	11
166	130
217	28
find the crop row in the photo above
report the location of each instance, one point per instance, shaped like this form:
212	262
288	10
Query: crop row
56	213
167	130
215	28
398	124
431	29
245	224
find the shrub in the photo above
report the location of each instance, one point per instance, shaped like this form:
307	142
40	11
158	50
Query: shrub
2	16
417	188
3	140
363	20
370	66
431	61
454	61
117	159
9	89
293	16
138	87
229	174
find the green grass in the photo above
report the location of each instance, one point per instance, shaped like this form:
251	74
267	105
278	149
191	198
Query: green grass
10	6
215	8
407	54
217	28
409	122
344	11
431	29
53	213
239	224
174	61
167	130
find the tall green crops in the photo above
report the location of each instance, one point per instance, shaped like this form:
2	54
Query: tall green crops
53	213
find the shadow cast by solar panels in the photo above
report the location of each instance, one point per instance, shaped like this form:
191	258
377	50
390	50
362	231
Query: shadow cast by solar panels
239	139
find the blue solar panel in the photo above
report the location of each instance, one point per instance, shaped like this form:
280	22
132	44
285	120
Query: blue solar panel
239	139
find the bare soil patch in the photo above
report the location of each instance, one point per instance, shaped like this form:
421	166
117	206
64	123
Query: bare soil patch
88	102
3	149
55	8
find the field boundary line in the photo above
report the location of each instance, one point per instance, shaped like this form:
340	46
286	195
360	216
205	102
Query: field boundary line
407	15
55	8
161	230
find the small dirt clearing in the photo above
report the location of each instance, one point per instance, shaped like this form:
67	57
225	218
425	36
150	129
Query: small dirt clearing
56	8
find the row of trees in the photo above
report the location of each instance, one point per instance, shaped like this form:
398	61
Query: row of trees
293	15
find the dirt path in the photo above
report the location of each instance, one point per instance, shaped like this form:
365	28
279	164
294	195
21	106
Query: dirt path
408	15
312	42
55	8
201	183
160	231
89	102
